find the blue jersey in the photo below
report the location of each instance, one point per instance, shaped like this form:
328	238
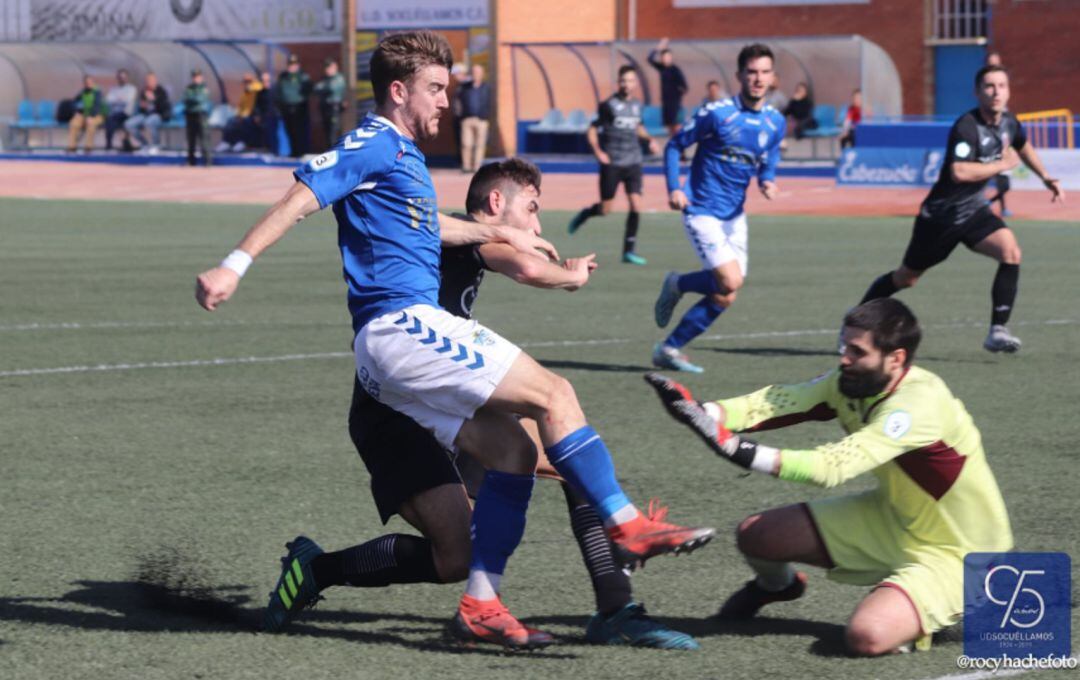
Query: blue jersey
388	228
734	144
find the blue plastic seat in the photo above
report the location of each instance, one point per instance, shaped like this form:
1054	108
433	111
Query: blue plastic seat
825	116
549	123
46	112
26	113
650	118
576	122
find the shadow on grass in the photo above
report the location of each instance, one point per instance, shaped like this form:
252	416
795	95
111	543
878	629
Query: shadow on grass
589	366
140	607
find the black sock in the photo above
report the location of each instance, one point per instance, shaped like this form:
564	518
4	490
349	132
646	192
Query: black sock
592	211
610	583
1003	293
630	237
882	287
393	558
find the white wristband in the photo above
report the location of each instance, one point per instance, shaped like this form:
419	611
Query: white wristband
238	261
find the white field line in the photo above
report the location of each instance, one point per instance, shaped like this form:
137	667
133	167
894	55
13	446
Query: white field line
229	361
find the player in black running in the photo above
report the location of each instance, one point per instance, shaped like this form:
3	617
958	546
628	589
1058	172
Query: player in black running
413	476
615	137
983	143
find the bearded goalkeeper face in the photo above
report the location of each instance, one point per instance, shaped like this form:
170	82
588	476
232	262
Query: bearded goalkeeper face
865	370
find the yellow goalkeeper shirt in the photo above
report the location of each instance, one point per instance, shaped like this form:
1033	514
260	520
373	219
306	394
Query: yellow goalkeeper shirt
918	440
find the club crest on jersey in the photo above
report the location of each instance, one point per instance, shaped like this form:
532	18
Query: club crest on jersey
897	424
483	338
762	139
326	160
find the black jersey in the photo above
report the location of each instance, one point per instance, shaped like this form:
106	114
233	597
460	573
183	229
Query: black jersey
617	123
461	269
971	140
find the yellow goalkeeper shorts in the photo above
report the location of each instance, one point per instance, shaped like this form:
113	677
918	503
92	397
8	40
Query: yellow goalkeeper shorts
869	547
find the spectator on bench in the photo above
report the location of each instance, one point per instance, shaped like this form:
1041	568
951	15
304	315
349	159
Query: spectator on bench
121	102
89	115
154	109
855	113
242	130
800	112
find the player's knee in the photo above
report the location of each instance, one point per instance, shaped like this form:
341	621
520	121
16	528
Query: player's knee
748	536
866	638
725	300
1012	254
452	564
605	208
730	282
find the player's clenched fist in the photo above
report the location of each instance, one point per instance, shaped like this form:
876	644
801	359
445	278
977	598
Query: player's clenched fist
215	286
677	200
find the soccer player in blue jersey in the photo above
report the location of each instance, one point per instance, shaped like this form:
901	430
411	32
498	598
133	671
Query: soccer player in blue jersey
738	139
458	379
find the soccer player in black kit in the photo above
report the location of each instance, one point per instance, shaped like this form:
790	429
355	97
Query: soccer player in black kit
615	137
983	143
408	465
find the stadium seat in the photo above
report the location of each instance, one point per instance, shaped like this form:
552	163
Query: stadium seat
221	115
46	113
576	122
177	120
26	113
549	123
650	118
825	116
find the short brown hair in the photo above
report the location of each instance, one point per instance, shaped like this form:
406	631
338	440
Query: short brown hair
509	176
989	68
751	52
891	325
402	55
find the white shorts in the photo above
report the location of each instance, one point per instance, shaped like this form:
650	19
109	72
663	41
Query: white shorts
432	366
717	241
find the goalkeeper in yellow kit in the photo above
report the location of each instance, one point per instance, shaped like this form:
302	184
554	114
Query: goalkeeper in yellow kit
936	498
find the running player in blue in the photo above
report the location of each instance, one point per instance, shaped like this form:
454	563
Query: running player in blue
738	139
459	380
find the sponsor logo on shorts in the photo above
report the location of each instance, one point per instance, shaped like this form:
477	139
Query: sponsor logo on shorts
370	385
897	424
1017	604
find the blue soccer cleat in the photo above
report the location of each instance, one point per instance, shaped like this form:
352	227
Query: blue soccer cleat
667	300
296	588
632	626
634	258
672	359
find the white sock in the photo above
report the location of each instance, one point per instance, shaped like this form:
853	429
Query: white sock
772	576
622	515
483	585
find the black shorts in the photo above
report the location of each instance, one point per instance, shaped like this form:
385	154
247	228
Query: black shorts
932	241
669	114
613	175
403	458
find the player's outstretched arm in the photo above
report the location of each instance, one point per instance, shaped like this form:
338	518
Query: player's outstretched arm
454	231
1032	160
533	271
218	284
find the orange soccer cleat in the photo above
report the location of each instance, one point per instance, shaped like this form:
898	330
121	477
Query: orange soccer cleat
490	621
649	535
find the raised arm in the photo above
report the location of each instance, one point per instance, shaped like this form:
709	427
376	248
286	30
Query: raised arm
218	284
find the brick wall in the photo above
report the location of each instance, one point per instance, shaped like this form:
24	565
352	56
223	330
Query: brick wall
1038	43
896	25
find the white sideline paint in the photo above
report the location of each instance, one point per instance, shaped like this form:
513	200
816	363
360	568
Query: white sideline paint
230	361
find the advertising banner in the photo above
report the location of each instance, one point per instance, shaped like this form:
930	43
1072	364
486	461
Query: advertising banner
904	167
149	20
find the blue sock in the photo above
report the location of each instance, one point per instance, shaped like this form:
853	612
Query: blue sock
498	520
696	320
583	460
703	282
